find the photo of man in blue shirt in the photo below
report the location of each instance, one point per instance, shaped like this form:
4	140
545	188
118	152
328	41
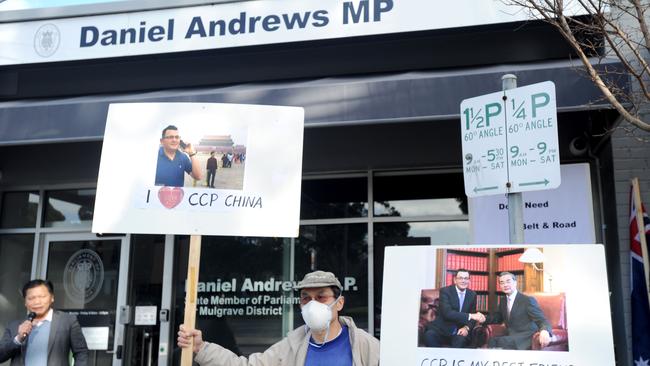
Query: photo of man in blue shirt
174	160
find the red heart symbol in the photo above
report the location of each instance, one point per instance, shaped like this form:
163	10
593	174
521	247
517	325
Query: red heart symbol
170	197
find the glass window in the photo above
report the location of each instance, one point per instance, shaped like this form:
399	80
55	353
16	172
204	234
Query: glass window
429	233
241	292
16	263
419	195
103	255
73	207
334	198
19	209
342	250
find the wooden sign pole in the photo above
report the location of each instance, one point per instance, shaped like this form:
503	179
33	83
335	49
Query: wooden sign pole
641	228
193	262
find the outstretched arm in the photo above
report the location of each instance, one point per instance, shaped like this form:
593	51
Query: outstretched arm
210	354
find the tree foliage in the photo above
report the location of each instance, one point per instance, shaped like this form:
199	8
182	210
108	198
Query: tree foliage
610	29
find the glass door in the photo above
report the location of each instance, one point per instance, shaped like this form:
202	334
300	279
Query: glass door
89	276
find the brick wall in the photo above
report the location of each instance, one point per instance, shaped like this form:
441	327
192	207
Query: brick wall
631	155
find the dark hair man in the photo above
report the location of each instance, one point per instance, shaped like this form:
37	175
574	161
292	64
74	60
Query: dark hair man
175	158
456	315
47	337
325	339
521	315
211	167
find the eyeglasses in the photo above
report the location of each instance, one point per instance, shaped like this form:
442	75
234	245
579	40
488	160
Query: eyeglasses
462	278
172	137
305	299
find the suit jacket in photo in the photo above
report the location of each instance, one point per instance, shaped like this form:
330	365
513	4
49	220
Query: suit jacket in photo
65	336
526	318
449	317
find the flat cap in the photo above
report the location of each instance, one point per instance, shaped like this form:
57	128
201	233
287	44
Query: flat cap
319	279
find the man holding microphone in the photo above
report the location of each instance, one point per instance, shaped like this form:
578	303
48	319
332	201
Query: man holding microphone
47	336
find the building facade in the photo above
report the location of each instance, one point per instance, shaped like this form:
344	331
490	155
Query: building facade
382	158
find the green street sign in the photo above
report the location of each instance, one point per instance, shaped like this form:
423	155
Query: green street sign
510	141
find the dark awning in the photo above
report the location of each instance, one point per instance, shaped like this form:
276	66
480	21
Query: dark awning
411	96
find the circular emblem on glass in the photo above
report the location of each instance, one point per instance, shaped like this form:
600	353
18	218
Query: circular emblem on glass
83	276
46	40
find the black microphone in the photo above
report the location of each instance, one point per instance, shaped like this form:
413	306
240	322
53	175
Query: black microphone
30	317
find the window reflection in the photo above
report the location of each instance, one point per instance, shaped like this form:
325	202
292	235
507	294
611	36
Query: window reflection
441	232
19	209
421	207
334	198
85	276
229	268
16	263
342	250
419	195
72	207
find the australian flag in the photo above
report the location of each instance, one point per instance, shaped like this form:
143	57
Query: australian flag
639	297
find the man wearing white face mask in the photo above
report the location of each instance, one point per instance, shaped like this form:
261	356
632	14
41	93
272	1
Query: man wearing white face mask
325	339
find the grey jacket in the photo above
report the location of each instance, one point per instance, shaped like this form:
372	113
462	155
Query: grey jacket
292	350
65	336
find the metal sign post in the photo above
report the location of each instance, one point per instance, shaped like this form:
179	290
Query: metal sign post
510	145
515	200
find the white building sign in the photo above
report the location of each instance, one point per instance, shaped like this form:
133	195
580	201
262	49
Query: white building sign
235	24
561	215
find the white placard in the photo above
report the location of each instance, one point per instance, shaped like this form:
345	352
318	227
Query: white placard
578	271
96	337
146	315
562	215
236	24
510	141
257	195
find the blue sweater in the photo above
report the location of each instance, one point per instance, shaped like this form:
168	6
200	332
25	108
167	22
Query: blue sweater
37	345
337	352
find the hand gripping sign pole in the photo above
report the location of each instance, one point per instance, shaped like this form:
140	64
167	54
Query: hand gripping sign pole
191	294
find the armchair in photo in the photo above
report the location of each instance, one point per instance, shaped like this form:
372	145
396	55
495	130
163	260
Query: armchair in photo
429	299
553	305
